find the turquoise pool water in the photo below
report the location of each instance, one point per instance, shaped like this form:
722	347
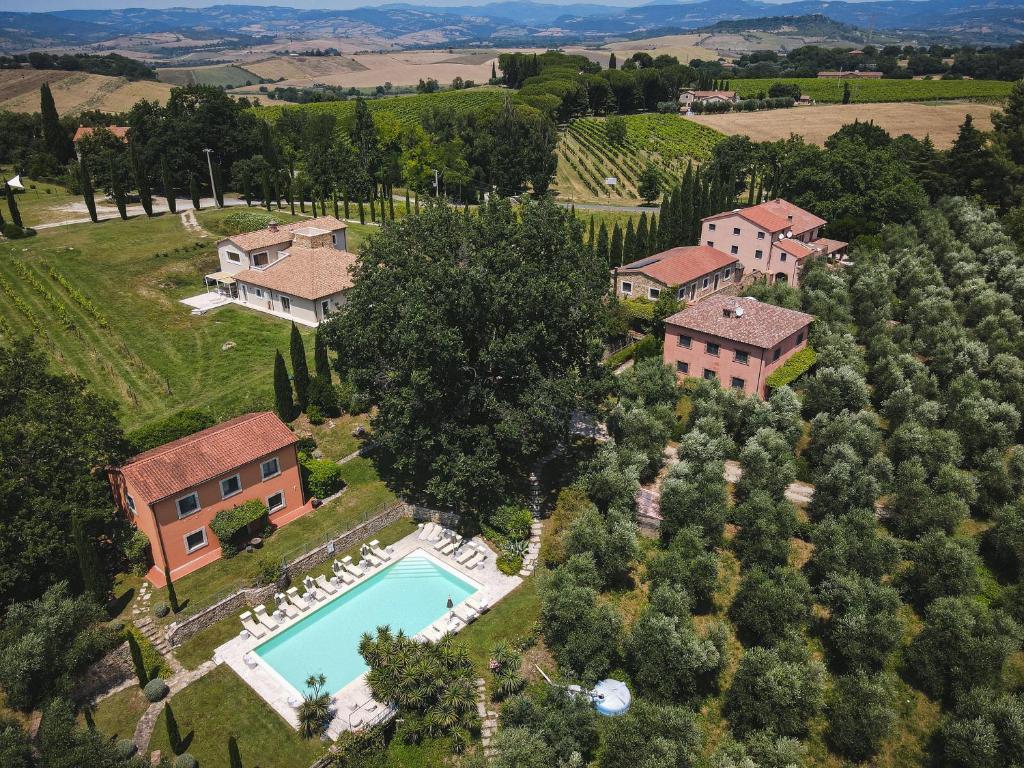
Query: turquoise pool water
409	595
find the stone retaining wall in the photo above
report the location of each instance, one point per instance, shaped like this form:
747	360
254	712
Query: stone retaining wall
108	673
247	597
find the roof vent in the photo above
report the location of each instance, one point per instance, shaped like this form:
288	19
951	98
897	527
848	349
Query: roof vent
789	217
739	311
272	225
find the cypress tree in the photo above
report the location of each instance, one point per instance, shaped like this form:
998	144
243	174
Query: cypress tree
57	140
137	661
218	178
494	73
173	733
234	756
629	244
612	64
652	237
321	363
590	235
90	722
87	193
117	191
669	225
686	206
168	182
172	595
1	219
760	190
640	243
846	92
141	180
193	191
602	244
267	191
300	369
752	187
12	206
93	578
283	402
615	254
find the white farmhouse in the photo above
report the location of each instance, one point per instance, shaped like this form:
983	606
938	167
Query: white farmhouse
298	271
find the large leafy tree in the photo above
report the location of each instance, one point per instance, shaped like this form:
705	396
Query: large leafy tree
55	440
475	337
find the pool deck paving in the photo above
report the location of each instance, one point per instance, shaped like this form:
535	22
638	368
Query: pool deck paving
354	706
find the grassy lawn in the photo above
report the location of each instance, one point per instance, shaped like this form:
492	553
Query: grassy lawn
139	345
363	496
39	202
334	437
220	705
510	618
116	716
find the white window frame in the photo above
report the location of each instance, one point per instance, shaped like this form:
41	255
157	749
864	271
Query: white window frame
282	505
711	227
735	230
626	288
261	253
704	284
325	307
681	343
758	254
783	256
277	468
235	476
258	292
206	541
711	243
681	292
727	273
734	250
235	258
286	304
653	293
682	367
745	360
131	502
177	505
717	348
760	235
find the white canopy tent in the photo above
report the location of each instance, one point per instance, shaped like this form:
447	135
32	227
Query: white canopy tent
15	183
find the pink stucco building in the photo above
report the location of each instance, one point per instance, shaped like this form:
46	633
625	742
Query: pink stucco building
737	341
771	239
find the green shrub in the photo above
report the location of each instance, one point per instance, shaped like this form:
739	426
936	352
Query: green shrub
315	415
306	445
161	610
228	523
648	347
151	658
792	369
185	761
177	425
126	748
513	521
617	358
323	478
138	553
246	221
266	570
13	232
155	690
509	564
639	309
323	395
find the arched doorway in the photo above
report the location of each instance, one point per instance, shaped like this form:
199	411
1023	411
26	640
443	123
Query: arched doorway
781	277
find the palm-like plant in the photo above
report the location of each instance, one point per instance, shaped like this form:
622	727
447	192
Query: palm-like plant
315	710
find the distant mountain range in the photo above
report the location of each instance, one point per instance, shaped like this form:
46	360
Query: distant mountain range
995	21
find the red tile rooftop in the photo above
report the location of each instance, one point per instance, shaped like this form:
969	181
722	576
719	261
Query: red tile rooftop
741	319
774	216
677	266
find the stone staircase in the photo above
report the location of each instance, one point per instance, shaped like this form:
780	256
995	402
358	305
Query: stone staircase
532	550
488	718
155	634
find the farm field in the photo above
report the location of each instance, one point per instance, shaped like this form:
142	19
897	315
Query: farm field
683	47
407	109
75	92
586	157
830	90
228	76
939	121
371	69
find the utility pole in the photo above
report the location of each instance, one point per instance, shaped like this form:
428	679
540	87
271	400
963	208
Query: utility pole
437	186
213	186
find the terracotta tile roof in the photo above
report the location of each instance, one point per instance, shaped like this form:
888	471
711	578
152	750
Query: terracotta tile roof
711	94
185	463
680	265
773	216
794	247
830	246
309	273
760	325
264	238
121	131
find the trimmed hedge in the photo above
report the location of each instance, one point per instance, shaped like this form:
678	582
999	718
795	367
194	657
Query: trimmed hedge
228	522
323	478
151	658
181	424
793	368
155	690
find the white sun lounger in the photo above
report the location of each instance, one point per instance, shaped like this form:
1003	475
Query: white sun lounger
285	607
465	613
326	585
479	605
425	530
475	560
261	614
464	556
368	557
444	541
341	573
446	625
436	533
355	570
296	599
378	551
251	625
312	590
451	546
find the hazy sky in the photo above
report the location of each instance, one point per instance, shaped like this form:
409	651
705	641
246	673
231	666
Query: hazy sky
56	5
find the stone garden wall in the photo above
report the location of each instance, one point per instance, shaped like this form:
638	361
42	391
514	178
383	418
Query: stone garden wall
108	673
248	597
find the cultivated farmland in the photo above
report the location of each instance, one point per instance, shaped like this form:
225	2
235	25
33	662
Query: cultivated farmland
227	76
830	90
586	157
939	121
75	92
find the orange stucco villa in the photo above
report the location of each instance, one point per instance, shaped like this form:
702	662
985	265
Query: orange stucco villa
172	493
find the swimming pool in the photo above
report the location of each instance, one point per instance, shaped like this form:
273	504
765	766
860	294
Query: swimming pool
409	595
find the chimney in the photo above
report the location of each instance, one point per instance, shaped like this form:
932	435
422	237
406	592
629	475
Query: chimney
272	225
